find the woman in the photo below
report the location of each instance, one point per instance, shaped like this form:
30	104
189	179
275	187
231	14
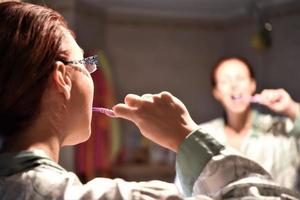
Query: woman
263	138
46	103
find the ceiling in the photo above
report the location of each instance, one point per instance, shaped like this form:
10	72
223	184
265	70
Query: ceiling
193	9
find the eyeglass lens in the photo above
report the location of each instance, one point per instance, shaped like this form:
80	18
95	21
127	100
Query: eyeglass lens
91	63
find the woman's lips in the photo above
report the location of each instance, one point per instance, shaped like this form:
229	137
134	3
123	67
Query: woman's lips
236	97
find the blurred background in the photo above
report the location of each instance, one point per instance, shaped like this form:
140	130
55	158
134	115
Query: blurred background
149	46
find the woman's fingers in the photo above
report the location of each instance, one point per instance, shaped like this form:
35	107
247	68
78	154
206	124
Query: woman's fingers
270	97
131	105
161	117
132	100
123	111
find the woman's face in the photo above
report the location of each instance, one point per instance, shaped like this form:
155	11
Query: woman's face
79	106
234	86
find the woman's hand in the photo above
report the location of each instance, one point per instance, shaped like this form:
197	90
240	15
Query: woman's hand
278	100
161	117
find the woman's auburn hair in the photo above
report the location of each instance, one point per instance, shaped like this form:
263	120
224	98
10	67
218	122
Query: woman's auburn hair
30	43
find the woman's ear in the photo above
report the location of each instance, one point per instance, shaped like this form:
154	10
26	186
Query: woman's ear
62	80
253	86
216	94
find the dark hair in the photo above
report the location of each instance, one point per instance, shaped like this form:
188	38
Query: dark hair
30	43
224	59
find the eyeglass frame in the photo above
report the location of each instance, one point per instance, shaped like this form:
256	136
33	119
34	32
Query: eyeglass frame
91	60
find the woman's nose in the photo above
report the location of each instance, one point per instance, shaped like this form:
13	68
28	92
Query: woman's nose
234	85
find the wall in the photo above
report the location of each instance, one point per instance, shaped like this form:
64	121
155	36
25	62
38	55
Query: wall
149	56
277	67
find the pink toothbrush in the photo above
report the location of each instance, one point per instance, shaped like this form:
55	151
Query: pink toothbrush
105	111
255	99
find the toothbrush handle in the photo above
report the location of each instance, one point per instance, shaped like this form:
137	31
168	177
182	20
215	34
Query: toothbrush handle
105	111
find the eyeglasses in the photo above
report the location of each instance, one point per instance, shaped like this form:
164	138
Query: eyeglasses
91	63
